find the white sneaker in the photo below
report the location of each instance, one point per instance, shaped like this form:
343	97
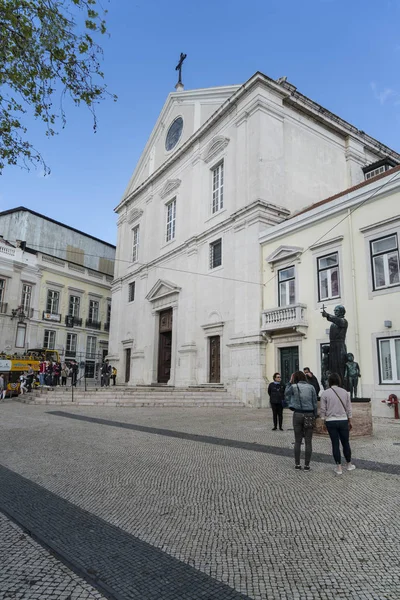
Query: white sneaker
338	470
350	467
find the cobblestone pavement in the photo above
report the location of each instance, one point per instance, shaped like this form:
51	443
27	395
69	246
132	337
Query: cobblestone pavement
147	514
29	571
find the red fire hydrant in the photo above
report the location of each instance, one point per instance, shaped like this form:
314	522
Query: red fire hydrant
393	401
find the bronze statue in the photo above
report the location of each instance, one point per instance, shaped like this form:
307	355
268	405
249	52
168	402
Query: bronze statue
337	340
352	373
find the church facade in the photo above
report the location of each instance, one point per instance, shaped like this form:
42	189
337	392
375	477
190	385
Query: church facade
221	166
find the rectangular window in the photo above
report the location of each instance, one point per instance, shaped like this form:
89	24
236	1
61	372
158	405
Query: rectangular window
91	347
20	337
287	285
328	276
135	244
216	254
93	311
108	312
218	188
374	172
389	360
74	306
26	297
53	299
171	219
385	262
49	340
2	289
70	348
131	291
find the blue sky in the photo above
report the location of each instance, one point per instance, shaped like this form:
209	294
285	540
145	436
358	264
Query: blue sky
343	54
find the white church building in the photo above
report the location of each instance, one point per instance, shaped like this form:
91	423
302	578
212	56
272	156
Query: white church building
221	165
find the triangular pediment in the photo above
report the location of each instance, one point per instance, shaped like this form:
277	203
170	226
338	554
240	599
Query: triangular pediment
215	147
161	289
195	108
169	187
283	253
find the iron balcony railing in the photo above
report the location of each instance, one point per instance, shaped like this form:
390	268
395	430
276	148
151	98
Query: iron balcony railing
93	324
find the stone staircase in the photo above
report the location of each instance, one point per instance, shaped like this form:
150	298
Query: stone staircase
139	396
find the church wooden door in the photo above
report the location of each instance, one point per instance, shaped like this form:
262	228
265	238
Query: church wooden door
127	365
165	346
215	359
289	362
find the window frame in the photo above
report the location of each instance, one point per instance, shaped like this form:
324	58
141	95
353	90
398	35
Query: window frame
131	287
20	327
71	351
170	229
50	302
26	305
91	312
374	255
320	270
217	191
286	281
51	333
70	305
392	340
135	243
90	355
212	246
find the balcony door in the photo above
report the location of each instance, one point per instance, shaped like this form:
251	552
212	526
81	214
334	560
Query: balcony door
289	362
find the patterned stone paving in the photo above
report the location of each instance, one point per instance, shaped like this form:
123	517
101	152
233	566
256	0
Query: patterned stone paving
215	518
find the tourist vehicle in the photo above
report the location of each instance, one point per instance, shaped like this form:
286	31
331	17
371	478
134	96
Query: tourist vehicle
12	366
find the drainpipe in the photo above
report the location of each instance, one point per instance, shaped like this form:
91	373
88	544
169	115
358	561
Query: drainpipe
354	285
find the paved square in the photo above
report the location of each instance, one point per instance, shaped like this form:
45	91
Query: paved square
200	503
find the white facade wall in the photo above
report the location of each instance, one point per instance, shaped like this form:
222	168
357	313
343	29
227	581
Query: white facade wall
44	235
345	226
276	159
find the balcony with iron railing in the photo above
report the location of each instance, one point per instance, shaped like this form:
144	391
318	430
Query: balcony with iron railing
285	317
76	321
91	324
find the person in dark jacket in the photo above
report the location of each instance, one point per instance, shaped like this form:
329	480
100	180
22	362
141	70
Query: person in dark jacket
276	392
302	400
312	380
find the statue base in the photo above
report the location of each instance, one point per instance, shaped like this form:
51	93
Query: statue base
361	420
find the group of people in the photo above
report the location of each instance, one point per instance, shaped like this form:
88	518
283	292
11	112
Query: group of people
301	396
54	373
107	373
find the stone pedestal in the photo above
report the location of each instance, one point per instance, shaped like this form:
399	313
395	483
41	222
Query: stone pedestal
362	418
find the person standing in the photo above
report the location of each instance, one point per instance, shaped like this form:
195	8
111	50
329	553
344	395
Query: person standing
29	378
64	374
337	413
312	379
74	373
114	375
302	400
2	387
276	392
42	371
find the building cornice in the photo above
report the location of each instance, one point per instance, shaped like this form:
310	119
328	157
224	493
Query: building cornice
320	213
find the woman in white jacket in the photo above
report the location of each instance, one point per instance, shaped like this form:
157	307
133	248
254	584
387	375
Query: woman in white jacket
337	413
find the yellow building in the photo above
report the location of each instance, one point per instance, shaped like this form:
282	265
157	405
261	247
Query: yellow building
341	251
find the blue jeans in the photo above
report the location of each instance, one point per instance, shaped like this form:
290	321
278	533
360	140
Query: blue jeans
339	432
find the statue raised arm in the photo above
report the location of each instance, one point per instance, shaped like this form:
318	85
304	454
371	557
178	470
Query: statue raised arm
337	340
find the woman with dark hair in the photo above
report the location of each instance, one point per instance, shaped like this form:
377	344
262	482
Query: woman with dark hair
302	400
276	392
336	412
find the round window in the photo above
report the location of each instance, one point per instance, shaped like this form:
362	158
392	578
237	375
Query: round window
174	133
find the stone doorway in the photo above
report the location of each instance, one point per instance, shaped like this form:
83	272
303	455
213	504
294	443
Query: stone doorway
289	362
215	359
164	346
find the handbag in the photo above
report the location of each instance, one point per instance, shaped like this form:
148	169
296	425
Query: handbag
309	420
350	425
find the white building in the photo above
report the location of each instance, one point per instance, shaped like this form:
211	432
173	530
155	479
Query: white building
219	167
50	302
343	250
